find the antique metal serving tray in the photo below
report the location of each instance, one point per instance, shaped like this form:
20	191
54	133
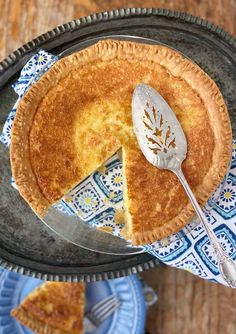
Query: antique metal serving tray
26	245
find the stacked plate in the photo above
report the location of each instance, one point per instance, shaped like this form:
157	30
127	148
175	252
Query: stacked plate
128	319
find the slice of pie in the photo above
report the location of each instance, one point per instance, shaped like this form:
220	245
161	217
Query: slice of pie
79	113
53	308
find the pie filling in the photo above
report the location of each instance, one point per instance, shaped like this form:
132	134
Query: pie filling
127	229
53	308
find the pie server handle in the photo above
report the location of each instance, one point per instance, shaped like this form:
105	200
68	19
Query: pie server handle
227	266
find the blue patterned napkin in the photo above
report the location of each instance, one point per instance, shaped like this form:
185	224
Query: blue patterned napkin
98	200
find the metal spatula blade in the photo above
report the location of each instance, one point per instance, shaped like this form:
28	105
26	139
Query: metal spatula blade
158	131
162	141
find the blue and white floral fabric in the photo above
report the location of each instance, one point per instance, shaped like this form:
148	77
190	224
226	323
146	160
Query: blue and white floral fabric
39	63
98	200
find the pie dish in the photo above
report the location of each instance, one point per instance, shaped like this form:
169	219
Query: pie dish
53	308
79	114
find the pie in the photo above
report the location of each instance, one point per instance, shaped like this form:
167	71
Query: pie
53	308
79	114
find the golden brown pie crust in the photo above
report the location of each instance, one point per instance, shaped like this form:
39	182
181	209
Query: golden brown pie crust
79	113
53	308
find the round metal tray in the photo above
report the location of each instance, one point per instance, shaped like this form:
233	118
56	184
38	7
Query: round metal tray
26	245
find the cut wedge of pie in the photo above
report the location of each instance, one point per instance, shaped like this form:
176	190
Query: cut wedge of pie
79	113
53	308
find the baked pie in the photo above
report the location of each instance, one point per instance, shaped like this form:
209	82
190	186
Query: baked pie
53	308
79	114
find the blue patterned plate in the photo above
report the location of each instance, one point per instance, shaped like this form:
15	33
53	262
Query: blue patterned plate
129	319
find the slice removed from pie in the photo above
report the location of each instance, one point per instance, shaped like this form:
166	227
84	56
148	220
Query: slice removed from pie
79	114
53	308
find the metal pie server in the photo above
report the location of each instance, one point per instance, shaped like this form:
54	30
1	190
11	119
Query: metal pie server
163	143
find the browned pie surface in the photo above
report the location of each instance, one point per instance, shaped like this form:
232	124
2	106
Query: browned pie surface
79	114
53	308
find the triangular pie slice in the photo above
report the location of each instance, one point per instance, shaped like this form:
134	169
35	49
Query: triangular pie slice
79	113
53	308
